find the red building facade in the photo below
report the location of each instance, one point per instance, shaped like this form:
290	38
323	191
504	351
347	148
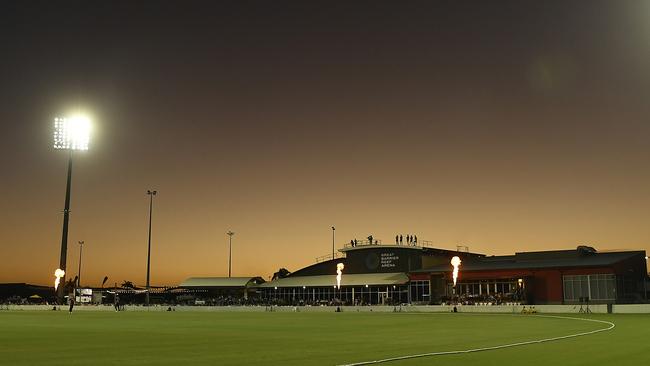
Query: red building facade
552	277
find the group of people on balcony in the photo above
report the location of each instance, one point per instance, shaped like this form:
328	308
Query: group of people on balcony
354	243
410	240
399	240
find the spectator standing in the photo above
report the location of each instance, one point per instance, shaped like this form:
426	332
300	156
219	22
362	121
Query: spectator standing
71	300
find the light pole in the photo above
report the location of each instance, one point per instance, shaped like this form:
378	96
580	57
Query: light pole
69	134
333	230
151	194
230	234
81	248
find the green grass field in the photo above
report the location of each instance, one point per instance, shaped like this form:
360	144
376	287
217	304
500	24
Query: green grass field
305	338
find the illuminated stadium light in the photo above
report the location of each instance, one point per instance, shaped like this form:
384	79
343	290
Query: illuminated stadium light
71	133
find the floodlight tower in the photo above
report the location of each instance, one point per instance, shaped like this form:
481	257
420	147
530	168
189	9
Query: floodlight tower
150	194
69	134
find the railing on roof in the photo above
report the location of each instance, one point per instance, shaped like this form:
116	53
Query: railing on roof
362	243
462	248
328	257
377	242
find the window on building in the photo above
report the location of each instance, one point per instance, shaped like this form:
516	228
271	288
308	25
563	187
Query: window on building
594	287
420	291
603	287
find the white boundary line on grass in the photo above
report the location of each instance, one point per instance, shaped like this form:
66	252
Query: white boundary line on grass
490	348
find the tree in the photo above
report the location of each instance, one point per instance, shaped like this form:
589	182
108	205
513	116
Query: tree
281	273
128	284
69	285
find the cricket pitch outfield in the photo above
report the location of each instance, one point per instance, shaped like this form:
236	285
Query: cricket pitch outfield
309	338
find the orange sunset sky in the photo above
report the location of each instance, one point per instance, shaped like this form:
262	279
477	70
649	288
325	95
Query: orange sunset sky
500	127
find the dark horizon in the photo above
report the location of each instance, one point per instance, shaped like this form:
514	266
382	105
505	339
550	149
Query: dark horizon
504	127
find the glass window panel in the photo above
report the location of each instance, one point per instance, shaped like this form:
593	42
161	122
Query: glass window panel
584	288
602	289
568	290
593	287
577	289
611	288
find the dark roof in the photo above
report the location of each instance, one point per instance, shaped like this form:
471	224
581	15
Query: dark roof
438	251
424	249
540	260
22	284
325	267
346	280
242	282
25	290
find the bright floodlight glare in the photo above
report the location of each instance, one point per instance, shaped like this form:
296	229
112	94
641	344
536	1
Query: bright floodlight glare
71	133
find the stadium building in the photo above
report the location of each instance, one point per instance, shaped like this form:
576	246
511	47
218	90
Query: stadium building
376	273
390	274
221	290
